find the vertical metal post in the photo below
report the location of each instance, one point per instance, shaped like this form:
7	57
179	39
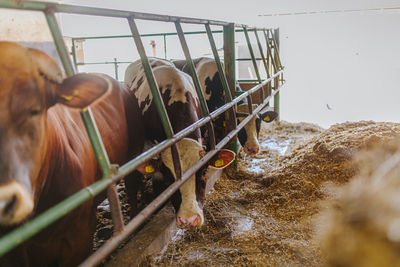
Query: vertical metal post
196	82
276	97
88	120
74	54
275	39
116	68
87	116
150	79
253	59
230	71
230	116
156	94
263	60
269	50
116	213
165	45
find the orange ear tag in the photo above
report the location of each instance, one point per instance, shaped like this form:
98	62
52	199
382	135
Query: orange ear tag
149	169
219	163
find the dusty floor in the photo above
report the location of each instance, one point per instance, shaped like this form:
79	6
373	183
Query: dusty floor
263	215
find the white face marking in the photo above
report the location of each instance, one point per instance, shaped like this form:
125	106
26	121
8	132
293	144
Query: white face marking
189	154
165	74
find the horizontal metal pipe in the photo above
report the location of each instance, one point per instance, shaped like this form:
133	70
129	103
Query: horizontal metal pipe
94	11
146	35
114	242
29	229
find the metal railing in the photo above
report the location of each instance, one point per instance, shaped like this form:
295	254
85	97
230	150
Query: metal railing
117	62
112	173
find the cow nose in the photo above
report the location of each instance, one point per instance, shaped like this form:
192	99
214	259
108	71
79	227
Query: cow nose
16	203
251	149
190	221
7	206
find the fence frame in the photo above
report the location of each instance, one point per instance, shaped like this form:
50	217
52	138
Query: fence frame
111	172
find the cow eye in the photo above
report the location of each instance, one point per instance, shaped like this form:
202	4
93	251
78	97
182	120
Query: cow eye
34	112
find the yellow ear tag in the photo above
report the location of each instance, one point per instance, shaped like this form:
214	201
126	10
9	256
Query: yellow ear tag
267	118
67	97
149	169
219	163
224	124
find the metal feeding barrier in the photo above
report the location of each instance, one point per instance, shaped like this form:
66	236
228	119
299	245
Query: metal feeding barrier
113	173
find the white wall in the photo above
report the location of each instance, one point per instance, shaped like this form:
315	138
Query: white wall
350	61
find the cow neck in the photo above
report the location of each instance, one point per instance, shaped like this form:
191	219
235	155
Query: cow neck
65	150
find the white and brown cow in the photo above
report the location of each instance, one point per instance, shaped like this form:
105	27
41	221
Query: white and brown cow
182	105
210	82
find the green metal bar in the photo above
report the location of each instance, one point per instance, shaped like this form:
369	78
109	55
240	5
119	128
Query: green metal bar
185	48
262	55
146	35
200	94
253	58
275	39
231	116
219	65
94	11
230	72
266	90
151	80
269	51
87	116
104	63
29	229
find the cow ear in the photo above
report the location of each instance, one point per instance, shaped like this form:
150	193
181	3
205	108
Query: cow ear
223	159
268	116
81	90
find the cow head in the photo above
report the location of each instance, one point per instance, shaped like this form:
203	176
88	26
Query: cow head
248	135
190	212
30	83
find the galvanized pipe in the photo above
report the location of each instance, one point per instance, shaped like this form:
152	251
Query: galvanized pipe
203	103
115	207
114	242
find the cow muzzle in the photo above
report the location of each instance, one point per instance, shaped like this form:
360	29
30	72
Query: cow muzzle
16	203
251	149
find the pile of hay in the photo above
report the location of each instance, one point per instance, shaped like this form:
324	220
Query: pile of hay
264	216
361	226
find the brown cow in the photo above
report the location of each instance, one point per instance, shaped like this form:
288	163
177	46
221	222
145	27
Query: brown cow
46	155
